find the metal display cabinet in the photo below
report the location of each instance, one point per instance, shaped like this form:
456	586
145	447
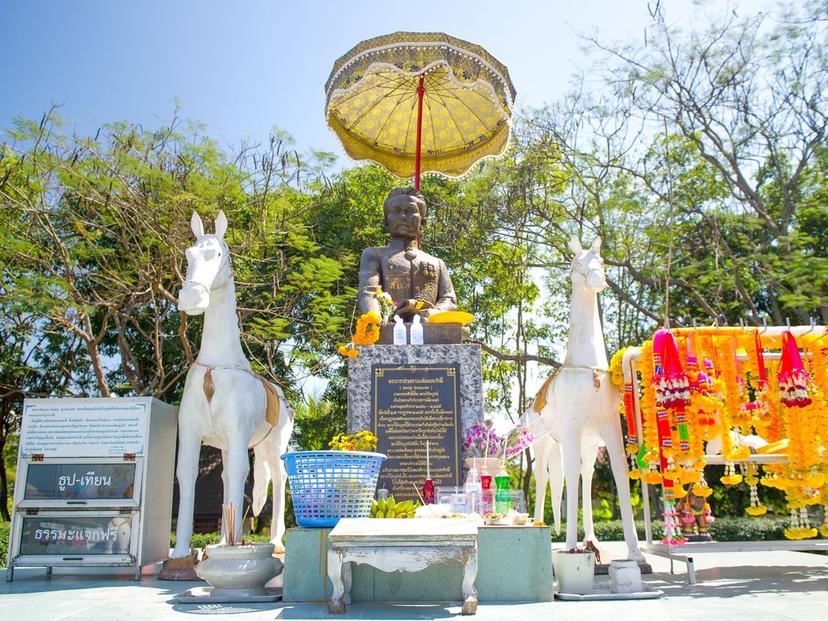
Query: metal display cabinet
95	484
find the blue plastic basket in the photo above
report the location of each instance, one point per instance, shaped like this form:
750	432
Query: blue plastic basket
329	485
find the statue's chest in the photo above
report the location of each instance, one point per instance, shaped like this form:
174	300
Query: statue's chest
404	278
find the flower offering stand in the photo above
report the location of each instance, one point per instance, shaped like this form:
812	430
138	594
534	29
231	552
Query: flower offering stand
673	547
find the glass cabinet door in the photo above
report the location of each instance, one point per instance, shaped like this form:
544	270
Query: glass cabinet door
86	483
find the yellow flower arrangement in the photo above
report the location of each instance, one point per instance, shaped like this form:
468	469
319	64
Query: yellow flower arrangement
616	372
360	441
701	490
349	351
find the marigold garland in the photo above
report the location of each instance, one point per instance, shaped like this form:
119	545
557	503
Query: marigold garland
367	333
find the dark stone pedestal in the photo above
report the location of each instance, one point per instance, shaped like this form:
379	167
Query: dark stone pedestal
410	394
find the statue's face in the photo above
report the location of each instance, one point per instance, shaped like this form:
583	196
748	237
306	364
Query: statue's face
403	217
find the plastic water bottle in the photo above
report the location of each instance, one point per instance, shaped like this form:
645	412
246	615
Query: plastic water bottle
473	489
487	493
400	334
417	331
503	500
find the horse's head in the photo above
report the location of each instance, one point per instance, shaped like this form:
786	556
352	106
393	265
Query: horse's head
588	266
208	266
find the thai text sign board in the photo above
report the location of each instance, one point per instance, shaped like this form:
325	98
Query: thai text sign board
76	534
109	481
95	481
83	428
413	405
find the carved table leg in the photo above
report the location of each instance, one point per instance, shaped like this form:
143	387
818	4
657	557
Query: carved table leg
469	575
346	580
336	605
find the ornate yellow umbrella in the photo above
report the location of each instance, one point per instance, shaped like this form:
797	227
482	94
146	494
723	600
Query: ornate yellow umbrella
420	101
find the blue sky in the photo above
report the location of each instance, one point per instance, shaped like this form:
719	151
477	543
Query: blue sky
243	67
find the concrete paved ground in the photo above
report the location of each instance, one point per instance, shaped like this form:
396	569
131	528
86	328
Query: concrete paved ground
754	586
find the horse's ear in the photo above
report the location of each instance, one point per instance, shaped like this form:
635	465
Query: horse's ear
575	246
197	225
596	245
221	225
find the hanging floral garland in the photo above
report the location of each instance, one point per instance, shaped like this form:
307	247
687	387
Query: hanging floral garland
711	384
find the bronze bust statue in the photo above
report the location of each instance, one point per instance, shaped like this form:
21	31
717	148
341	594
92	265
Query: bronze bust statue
418	283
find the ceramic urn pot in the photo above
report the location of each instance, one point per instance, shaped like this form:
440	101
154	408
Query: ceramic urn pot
239	569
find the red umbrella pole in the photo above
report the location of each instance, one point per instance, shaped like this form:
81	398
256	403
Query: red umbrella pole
420	93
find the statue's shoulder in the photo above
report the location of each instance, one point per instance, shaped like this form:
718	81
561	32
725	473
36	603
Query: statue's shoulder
372	254
372	251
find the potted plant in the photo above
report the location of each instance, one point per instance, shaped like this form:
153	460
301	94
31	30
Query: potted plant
575	569
236	567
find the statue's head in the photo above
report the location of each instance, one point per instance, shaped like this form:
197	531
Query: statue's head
405	211
208	266
588	266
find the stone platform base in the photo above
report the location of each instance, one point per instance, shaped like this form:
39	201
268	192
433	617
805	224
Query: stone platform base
205	595
514	565
602	597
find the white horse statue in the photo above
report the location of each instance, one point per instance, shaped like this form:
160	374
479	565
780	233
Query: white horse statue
225	404
578	404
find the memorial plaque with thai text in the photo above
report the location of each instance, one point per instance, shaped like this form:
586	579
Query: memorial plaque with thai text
412	405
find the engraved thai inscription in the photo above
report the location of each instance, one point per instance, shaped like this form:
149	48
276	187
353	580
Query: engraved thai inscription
412	405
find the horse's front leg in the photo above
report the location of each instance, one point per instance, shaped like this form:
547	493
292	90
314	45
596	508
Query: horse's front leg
237	467
554	464
571	447
224	492
541	480
590	454
618	461
189	446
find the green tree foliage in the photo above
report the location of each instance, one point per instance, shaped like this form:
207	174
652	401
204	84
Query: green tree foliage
95	238
701	163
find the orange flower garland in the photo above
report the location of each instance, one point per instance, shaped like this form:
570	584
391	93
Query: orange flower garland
652	475
367	333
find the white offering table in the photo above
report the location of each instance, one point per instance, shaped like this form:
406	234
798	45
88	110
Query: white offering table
401	545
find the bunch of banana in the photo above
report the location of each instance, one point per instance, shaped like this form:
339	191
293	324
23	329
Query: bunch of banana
389	508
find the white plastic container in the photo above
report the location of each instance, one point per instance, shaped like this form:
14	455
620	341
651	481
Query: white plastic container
400	333
473	489
417	331
575	571
625	577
